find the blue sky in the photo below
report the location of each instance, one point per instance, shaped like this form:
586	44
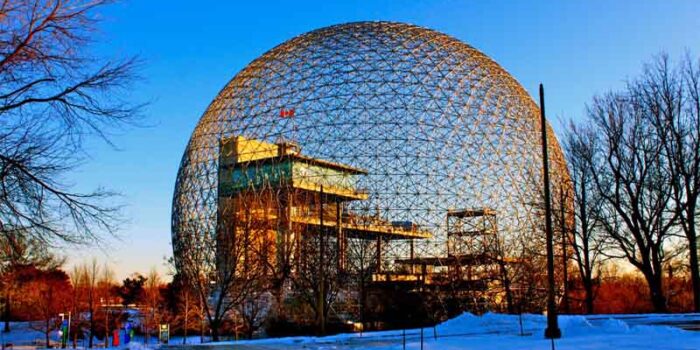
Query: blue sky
191	49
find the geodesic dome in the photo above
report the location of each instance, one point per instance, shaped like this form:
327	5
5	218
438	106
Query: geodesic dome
436	124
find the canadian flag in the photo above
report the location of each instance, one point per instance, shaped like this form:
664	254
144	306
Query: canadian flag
287	113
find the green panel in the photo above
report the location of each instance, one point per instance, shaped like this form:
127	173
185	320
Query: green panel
254	176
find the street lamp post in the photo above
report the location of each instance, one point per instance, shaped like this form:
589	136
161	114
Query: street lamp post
105	307
552	331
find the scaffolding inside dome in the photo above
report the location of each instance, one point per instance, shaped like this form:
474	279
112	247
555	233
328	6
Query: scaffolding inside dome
278	196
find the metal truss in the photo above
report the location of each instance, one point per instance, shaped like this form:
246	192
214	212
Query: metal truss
436	124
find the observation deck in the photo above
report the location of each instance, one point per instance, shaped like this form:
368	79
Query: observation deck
247	164
251	169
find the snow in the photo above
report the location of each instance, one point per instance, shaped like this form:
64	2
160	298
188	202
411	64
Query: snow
499	331
22	334
488	331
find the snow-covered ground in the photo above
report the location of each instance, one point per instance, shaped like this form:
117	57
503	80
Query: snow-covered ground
490	331
23	335
503	332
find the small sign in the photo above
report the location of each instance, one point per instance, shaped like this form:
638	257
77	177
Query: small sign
164	333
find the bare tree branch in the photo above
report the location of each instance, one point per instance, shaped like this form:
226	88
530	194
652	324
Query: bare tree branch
53	95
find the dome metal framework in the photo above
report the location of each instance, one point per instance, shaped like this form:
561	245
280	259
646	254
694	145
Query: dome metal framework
436	125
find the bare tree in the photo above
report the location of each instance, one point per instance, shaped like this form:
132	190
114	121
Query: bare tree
106	285
254	310
54	94
505	272
587	241
180	302
634	185
153	301
272	260
362	263
78	279
92	275
85	279
221	270
670	97
189	312
317	281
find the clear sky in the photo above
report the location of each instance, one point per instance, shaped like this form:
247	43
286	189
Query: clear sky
191	49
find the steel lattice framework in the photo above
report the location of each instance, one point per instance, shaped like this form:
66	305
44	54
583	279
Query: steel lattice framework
436	124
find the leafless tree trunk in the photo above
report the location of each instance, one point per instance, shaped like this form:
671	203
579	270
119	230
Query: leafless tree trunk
153	301
93	273
670	97
631	177
586	240
275	271
253	310
318	291
318	279
362	263
504	273
79	280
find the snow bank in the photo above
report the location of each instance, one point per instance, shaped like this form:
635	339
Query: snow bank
488	323
491	323
137	346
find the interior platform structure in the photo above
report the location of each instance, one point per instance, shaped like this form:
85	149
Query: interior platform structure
275	198
474	267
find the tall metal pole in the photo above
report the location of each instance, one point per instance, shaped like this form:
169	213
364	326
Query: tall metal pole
321	273
340	235
564	253
107	327
68	339
552	331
